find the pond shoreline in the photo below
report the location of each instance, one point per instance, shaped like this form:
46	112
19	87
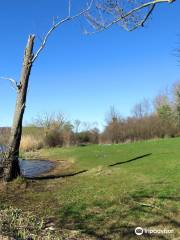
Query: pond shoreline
41	167
59	166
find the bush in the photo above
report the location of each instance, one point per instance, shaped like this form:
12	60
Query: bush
53	138
91	136
83	137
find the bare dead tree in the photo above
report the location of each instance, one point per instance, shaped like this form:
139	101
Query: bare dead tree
101	14
142	109
11	168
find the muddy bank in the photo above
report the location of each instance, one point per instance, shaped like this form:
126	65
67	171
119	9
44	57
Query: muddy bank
59	166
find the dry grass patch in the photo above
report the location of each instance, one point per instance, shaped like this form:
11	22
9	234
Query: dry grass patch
30	143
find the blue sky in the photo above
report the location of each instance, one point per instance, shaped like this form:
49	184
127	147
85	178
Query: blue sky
81	75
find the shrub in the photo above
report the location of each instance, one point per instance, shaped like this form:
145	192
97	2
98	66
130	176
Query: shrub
53	138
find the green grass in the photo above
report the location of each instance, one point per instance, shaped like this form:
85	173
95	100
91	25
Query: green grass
109	202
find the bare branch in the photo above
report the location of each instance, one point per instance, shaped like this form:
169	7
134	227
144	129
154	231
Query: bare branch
123	17
58	23
12	81
141	24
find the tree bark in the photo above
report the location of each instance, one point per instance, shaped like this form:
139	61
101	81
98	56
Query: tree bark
11	168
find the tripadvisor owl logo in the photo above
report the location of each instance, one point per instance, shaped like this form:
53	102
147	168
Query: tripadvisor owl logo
139	231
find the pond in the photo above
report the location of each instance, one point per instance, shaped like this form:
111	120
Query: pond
32	168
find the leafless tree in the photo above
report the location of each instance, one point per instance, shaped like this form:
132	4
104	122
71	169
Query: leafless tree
77	124
112	115
142	109
114	125
101	14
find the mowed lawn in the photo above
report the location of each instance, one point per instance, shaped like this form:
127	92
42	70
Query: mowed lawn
142	188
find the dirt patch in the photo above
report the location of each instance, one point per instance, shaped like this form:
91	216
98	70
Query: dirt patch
60	166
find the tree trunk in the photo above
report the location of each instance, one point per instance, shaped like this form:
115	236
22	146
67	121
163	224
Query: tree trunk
11	168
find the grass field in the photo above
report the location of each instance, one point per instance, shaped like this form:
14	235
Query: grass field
141	188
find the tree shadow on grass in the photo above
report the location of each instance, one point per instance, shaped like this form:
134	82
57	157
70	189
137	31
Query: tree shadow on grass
131	160
56	176
47	177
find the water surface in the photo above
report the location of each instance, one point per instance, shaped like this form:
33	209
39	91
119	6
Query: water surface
34	168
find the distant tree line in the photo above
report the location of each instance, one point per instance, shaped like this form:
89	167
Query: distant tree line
54	130
158	118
